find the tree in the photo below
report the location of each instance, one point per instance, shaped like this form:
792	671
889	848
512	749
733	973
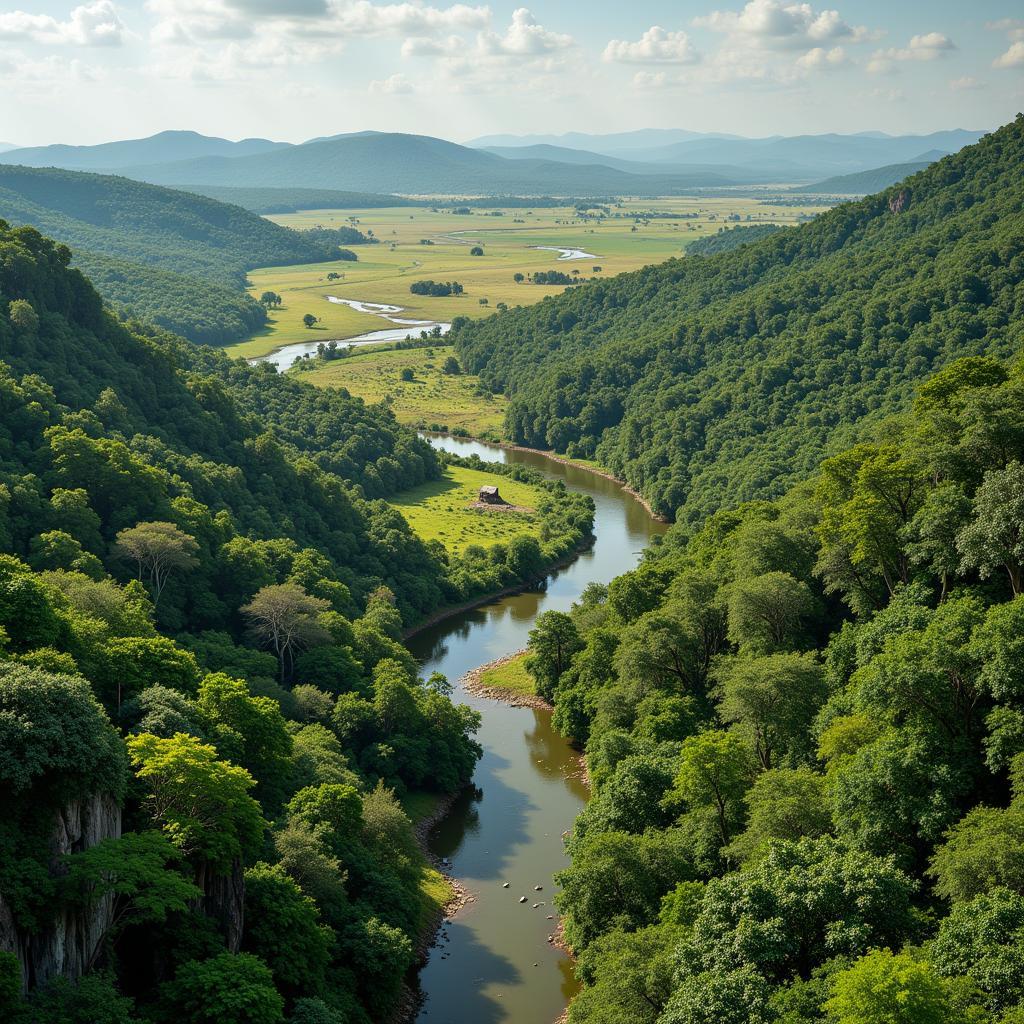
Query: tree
766	612
231	988
518	278
994	539
407	374
137	873
451	366
773	700
310	320
159	549
983	940
23	317
282	927
202	803
270	300
783	804
476	251
285	618
554	639
715	771
890	988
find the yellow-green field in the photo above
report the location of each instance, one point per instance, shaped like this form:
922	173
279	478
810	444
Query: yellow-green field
440	510
510	675
622	241
432	400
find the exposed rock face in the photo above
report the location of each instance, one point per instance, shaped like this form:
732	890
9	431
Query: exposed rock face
898	202
223	901
68	945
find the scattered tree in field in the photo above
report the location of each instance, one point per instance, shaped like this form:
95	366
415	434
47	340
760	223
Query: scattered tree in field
285	619
477	250
518	278
451	366
407	374
158	549
483	302
270	300
310	320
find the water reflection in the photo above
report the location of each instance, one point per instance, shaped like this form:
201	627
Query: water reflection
496	965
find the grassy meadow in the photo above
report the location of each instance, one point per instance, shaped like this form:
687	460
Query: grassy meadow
623	241
432	400
440	510
510	675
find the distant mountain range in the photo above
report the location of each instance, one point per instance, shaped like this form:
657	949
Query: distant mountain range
644	163
865	183
5	146
776	157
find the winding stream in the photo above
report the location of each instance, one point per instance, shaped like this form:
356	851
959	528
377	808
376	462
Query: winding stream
283	357
493	964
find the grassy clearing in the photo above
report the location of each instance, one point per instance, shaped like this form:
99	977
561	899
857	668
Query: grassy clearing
511	675
623	241
435	893
431	400
440	510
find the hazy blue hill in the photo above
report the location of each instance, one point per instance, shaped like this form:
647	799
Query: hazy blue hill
414	165
864	183
161	148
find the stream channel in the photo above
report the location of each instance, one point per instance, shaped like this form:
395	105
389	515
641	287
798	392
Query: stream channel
493	963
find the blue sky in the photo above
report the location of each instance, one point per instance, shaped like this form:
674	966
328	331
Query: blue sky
292	69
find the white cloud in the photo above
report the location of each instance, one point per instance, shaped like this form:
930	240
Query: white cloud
966	83
1013	58
820	59
95	24
775	25
523	38
929	46
396	85
655	46
364	18
425	46
1011	26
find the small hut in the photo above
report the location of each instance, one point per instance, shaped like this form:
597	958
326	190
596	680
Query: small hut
490	496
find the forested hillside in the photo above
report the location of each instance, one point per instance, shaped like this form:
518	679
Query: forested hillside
176	259
708	382
804	723
207	720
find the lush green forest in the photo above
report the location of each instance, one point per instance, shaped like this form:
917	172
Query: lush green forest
714	381
804	724
207	718
173	258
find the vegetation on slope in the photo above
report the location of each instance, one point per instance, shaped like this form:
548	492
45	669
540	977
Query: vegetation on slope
803	726
207	717
713	381
176	259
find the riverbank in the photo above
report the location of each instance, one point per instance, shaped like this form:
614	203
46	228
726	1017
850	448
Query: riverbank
473	683
565	461
410	1001
448	611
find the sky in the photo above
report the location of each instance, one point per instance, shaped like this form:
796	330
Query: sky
294	69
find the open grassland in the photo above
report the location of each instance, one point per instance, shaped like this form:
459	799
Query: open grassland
441	509
623	240
432	400
510	675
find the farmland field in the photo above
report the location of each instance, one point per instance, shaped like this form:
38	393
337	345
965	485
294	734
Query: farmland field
417	243
432	400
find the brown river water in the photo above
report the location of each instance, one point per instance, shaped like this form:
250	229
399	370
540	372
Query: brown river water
493	963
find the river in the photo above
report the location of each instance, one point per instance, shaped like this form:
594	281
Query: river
494	964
